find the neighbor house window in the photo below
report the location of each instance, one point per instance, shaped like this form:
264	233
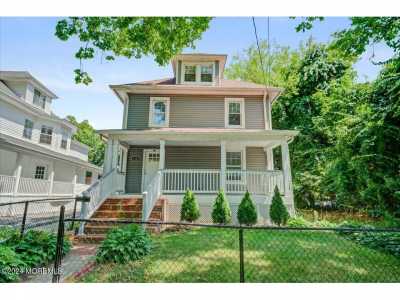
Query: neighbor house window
206	74
46	135
233	163
88	177
159	112
190	73
40	172
64	139
28	129
198	73
234	113
39	99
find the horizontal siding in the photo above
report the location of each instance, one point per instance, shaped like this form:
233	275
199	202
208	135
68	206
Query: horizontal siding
138	112
197	111
255	159
254	110
192	157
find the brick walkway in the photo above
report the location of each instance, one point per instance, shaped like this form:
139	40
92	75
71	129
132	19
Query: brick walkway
77	261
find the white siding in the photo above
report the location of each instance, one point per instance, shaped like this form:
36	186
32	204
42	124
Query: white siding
7	162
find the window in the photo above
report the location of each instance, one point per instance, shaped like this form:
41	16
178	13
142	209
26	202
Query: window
159	111
206	73
28	129
39	99
40	172
233	163
64	139
88	177
234	113
46	135
190	73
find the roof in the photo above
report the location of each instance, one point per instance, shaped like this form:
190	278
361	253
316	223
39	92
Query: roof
24	75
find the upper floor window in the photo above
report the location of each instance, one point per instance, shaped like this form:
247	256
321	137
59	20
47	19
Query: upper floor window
28	129
159	112
39	99
234	113
198	73
64	139
46	135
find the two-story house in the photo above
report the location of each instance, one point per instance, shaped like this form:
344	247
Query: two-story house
37	154
198	131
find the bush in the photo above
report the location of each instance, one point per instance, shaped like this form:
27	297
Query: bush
190	210
247	213
298	222
221	213
9	260
124	244
36	247
278	211
7	233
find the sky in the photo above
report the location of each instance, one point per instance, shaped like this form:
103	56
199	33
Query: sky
29	44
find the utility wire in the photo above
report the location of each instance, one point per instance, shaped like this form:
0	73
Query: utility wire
259	51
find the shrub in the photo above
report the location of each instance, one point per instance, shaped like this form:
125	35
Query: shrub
247	213
36	247
124	244
298	222
190	211
221	213
9	260
278	211
7	233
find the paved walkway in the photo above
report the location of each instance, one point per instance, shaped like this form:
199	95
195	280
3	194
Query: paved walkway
80	258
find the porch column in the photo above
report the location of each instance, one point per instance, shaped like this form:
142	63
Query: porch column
74	181
51	179
287	173
108	156
17	172
223	166
114	155
162	155
270	158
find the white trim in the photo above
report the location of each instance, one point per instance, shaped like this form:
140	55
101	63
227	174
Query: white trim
145	151
242	112
166	101
198	66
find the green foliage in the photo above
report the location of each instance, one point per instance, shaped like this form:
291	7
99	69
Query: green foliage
131	37
278	211
298	222
190	210
7	232
221	213
124	244
87	135
247	213
9	260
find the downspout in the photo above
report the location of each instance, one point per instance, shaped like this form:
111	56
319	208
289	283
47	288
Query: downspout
265	110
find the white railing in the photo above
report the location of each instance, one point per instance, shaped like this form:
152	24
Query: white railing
7	184
151	195
62	188
179	180
256	182
30	186
80	187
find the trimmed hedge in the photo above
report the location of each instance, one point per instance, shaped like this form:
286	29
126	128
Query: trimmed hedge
221	213
247	213
190	210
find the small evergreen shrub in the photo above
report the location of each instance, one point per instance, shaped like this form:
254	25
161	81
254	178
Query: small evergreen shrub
247	213
278	211
124	244
190	210
9	260
221	213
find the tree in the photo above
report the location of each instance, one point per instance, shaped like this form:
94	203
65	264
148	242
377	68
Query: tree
278	211
87	135
162	37
247	213
190	211
221	213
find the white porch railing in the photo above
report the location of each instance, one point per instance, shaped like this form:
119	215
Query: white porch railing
30	186
200	181
62	188
7	184
256	182
151	195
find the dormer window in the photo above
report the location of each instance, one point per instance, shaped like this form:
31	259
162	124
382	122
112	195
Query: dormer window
159	112
198	73
39	99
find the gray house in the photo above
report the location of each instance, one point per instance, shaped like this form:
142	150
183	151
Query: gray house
195	131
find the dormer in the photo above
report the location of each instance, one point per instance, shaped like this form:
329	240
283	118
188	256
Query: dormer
199	69
28	89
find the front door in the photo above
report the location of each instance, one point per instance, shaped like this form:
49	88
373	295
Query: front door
151	161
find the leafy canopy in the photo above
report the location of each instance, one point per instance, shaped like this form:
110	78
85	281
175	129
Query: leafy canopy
131	37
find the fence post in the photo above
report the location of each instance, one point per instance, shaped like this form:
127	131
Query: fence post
84	211
24	218
59	247
241	255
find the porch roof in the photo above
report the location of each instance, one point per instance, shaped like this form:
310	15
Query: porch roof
206	136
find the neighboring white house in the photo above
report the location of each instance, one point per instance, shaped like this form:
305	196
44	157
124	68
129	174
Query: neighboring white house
37	155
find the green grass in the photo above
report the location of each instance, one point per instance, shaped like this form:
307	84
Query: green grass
211	255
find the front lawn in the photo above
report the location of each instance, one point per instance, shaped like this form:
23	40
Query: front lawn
212	255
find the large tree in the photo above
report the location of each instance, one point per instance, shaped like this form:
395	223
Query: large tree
161	37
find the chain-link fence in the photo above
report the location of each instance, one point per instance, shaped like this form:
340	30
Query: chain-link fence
119	251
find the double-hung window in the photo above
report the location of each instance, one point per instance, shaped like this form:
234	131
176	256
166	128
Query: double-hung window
234	163
64	139
46	135
159	112
199	73
190	73
40	172
28	127
39	99
234	113
206	73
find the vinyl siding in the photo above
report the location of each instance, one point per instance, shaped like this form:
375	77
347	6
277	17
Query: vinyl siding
254	110
255	159
192	157
138	112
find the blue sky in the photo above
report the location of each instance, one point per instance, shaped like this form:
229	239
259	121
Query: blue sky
29	44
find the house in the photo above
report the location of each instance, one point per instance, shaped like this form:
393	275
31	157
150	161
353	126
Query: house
37	154
198	131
